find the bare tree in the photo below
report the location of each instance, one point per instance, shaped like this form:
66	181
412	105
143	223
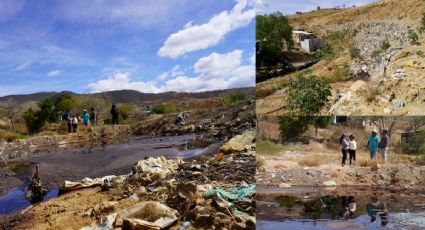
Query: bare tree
385	123
11	110
416	122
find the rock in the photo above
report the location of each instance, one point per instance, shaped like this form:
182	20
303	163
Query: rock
365	69
330	183
387	111
359	85
284	185
375	167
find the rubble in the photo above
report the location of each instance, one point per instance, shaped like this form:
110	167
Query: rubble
199	193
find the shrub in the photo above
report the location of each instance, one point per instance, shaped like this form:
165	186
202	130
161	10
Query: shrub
34	120
307	95
232	99
375	54
326	52
292	127
420	53
413	37
164	108
385	45
259	162
372	94
422	24
124	110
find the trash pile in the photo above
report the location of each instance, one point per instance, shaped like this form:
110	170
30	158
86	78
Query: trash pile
201	193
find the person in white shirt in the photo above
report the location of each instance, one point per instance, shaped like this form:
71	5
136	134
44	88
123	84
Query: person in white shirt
352	147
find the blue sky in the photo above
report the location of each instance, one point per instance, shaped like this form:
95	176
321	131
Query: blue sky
289	7
150	45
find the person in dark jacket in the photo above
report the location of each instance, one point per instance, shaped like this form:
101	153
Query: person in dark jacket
383	145
344	142
114	113
93	117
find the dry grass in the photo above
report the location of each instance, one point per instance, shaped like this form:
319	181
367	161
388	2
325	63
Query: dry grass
259	162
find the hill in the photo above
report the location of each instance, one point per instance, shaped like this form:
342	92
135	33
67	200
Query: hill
133	96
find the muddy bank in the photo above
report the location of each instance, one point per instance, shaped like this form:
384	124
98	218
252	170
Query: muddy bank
217	123
114	159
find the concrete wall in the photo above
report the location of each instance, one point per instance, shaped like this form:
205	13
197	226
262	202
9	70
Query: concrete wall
312	45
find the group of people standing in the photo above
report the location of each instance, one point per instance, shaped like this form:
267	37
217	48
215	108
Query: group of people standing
87	119
375	143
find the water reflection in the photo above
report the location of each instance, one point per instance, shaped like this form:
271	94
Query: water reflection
307	211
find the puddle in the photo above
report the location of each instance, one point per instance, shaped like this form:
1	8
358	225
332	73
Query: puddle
15	200
310	211
75	164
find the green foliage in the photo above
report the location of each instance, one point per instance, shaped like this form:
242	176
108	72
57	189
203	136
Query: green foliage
420	53
385	45
269	148
292	127
372	94
422	24
413	37
124	110
48	110
375	54
10	136
271	30
307	95
34	120
326	52
164	108
416	144
232	99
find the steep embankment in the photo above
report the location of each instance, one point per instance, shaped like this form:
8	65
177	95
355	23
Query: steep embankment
377	66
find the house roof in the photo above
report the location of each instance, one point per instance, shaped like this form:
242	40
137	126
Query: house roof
301	32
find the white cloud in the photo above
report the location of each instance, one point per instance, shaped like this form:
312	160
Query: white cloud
252	59
24	66
54	73
215	71
218	65
119	81
196	37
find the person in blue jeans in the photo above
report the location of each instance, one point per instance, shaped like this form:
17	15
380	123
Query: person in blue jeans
372	144
383	145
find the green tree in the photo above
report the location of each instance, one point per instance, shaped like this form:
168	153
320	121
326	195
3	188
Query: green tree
34	120
48	110
272	30
291	127
307	95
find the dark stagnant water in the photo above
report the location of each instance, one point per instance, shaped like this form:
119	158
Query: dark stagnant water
315	211
170	147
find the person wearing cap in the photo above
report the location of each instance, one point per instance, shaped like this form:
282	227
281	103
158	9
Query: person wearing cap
86	118
383	145
372	144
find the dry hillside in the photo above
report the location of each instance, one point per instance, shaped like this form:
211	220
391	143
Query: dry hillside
376	69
